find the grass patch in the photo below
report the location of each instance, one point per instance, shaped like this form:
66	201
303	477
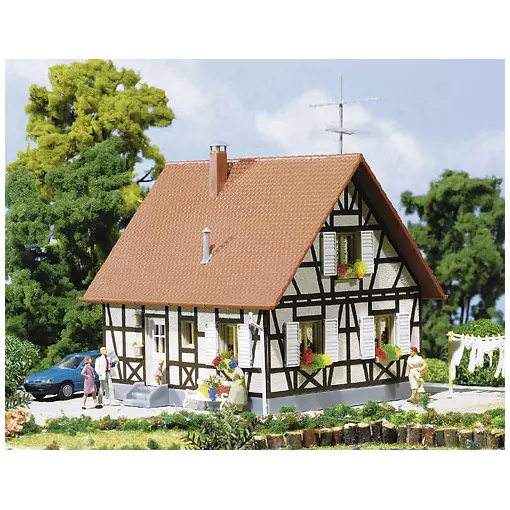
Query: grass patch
101	440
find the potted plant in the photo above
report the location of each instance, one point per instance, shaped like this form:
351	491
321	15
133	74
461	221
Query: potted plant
138	348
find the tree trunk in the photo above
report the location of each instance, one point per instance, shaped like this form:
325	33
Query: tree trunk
275	441
414	433
464	436
377	431
350	433
450	437
439	440
495	439
338	435
389	433
428	435
294	440
480	438
326	437
402	434
467	308
260	442
364	433
310	437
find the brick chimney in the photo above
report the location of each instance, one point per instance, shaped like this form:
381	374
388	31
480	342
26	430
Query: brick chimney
217	168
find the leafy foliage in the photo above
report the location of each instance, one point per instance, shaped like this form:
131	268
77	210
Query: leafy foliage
461	230
437	371
222	431
20	358
70	196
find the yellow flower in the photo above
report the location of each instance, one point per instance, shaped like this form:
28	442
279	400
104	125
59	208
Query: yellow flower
326	360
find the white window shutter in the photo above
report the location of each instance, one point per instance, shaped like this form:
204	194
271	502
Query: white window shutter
329	255
367	250
211	341
331	339
403	332
292	354
367	340
244	345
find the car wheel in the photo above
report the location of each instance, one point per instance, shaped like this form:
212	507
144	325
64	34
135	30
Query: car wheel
39	398
66	390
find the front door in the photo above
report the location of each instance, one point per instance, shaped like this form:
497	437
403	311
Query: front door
155	350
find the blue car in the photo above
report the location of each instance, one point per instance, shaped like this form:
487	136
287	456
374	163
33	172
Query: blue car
63	379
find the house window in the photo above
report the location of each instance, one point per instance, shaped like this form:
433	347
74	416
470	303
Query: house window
228	338
159	338
348	248
311	336
188	333
384	330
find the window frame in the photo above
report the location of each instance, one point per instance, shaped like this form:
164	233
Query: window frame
355	252
193	334
303	344
378	333
223	328
158	337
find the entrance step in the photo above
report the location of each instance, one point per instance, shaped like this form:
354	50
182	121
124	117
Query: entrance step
140	395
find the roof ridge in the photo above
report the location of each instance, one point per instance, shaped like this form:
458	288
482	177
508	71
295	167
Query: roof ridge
272	158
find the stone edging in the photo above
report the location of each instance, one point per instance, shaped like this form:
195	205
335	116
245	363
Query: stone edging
382	432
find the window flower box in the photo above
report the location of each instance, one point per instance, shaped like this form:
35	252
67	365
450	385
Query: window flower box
387	353
311	362
356	270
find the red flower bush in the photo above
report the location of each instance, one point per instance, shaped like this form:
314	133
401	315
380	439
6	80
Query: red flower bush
380	354
342	269
216	361
307	358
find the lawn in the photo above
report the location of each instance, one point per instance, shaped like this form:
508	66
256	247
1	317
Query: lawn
100	440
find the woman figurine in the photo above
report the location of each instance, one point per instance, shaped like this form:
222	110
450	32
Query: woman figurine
238	395
417	366
89	384
159	372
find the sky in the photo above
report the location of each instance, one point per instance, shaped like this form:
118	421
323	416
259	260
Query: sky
432	114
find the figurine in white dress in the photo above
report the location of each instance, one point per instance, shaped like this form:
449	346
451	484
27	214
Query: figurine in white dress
417	366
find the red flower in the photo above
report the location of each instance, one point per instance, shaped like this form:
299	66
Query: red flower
380	354
220	390
216	361
307	357
342	269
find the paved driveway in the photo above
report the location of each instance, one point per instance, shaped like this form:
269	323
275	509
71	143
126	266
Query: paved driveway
476	401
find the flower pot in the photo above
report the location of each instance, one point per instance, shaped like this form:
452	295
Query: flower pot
138	350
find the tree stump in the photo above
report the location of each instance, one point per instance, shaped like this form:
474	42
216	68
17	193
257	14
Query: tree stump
464	435
294	440
402	434
389	433
310	437
275	441
428	435
260	442
326	437
350	433
377	431
338	435
480	437
495	439
414	433
364	435
439	438
450	437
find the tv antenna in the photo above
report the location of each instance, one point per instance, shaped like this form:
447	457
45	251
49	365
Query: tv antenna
340	130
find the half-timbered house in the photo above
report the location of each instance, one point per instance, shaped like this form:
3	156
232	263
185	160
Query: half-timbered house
220	244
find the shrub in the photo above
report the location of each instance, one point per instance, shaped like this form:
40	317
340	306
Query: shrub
482	376
52	446
373	411
437	371
152	444
20	358
287	409
222	431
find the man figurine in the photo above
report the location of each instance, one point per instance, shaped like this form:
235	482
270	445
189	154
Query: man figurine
103	369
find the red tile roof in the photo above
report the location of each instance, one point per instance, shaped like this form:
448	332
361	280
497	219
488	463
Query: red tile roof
262	225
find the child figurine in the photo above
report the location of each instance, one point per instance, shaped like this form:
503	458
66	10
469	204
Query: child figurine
89	385
159	372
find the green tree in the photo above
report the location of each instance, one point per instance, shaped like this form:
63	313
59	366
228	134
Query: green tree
87	103
461	230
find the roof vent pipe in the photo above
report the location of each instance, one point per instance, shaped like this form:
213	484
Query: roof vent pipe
207	243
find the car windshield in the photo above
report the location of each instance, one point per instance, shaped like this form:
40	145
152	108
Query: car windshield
70	362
